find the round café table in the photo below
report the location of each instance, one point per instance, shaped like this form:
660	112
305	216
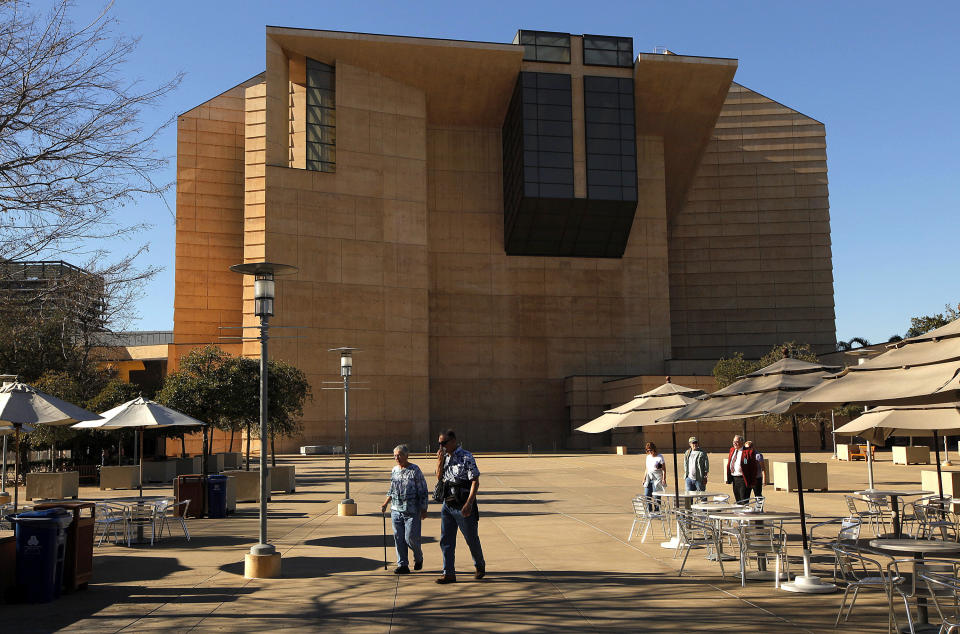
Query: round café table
771	516
687	497
894	496
917	548
139	503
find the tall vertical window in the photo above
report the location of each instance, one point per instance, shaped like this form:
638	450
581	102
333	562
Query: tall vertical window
321	117
611	138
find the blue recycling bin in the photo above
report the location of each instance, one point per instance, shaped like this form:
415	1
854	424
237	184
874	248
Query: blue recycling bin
216	496
41	538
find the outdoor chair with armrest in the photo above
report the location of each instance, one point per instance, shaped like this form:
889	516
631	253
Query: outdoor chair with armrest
863	514
847	535
694	533
169	513
110	518
756	502
141	516
941	580
762	540
930	520
644	517
859	571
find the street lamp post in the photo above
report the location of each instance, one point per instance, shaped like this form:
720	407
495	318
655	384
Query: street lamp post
347	507
263	560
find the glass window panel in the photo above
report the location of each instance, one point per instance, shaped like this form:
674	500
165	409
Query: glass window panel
629	193
625	101
602	115
529	95
603	146
528	80
553	39
601	84
602	58
603	192
550	190
530	111
528	37
554	97
320	79
313	151
530	52
531	190
553	54
626	86
530	142
600	99
628	178
321	134
626	116
321	97
531	159
554	113
625	58
625	44
557	144
628	148
603	177
604	162
313	166
603	131
599	42
553	81
627	132
628	163
555	159
556	175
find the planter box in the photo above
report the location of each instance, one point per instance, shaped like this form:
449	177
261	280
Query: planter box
951	482
160	471
53	486
844	451
621	450
911	455
282	478
232	459
248	484
214	463
814	476
126	477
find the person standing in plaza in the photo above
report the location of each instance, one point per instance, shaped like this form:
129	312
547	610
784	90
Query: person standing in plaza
758	481
407	499
457	469
741	469
655	476
696	466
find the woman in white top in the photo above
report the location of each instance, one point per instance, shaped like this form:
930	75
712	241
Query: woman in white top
655	478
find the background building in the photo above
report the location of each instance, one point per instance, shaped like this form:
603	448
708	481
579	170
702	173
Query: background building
497	225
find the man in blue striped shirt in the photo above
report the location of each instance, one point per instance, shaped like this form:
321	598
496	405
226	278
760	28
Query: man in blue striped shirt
407	498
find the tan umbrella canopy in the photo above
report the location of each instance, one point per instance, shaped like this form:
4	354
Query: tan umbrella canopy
644	409
140	414
879	423
916	371
768	390
21	404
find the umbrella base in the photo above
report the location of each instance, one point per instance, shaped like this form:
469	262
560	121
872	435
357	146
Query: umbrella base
261	566
347	508
808	585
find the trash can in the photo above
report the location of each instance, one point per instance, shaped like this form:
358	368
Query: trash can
78	558
190	487
41	545
216	496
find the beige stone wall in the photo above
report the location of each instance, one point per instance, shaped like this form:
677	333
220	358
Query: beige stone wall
506	330
359	238
750	260
210	221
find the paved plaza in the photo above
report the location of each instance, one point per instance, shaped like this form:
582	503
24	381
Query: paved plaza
554	533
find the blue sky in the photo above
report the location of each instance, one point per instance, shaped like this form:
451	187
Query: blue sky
882	76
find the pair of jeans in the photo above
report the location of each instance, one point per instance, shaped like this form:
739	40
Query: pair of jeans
406	532
452	519
648	490
693	485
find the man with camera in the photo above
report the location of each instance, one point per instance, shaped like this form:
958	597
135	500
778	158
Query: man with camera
460	478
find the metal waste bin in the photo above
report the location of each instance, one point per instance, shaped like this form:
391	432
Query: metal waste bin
78	558
41	545
216	496
190	487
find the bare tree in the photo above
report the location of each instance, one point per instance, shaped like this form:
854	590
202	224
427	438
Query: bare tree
73	149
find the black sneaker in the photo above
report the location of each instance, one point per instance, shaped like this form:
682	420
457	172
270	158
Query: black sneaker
481	570
418	565
401	570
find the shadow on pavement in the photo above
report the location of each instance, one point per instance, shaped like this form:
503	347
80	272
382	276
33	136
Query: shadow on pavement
360	541
314	567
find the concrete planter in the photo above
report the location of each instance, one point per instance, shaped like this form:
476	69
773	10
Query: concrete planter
814	476
53	486
248	484
125	477
911	455
160	471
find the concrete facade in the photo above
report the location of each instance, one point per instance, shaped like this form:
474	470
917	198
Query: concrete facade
401	249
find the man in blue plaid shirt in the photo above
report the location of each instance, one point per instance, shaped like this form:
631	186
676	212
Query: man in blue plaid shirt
407	498
457	469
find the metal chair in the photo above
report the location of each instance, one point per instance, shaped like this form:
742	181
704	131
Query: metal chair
696	532
860	572
169	513
756	503
941	580
110	518
863	514
644	516
757	538
139	516
847	536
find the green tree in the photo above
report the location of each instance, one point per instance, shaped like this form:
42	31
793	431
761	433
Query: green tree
925	323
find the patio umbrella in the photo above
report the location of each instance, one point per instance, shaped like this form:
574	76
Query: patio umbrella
879	423
917	371
140	414
645	409
768	390
21	404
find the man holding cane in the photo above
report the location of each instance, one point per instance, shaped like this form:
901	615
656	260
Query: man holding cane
457	470
407	499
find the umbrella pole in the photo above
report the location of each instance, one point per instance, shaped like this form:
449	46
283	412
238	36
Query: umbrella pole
807	582
676	480
3	475
16	468
869	465
140	432
936	449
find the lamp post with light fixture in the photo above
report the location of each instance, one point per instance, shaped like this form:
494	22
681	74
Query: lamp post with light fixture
347	507
263	560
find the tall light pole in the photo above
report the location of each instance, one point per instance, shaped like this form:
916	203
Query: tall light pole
263	560
347	507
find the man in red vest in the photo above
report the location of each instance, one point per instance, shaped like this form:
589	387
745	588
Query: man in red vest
741	469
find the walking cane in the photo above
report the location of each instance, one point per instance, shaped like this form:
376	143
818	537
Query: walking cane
384	516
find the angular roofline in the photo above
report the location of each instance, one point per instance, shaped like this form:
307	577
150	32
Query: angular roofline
246	82
779	103
382	37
